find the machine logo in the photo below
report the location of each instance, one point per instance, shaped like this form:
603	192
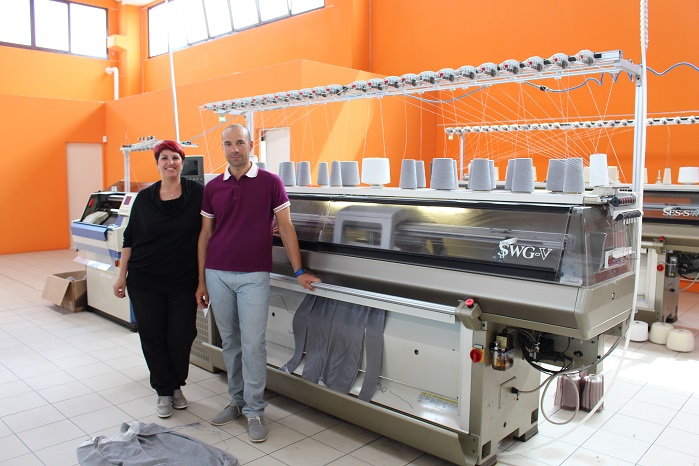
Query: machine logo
677	211
526	252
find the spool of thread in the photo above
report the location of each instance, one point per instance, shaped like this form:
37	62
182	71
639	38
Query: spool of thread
350	173
479	175
287	173
592	392
599	173
336	173
555	175
493	174
680	340
659	332
408	174
688	175
323	178
376	171
523	176
639	331
420	174
613	174
303	173
508	174
568	388
573	181
443	174
667	176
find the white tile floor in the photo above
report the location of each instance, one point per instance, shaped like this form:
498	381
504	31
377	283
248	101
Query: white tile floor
65	377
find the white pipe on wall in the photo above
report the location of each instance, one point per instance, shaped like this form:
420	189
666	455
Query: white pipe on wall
114	70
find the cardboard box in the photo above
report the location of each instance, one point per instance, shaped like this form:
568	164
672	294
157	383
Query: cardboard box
68	290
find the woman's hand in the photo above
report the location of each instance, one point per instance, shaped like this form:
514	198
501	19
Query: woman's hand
202	296
120	287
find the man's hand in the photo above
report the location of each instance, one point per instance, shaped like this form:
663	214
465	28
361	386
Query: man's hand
307	279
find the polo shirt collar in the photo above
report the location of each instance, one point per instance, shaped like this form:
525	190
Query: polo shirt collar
252	173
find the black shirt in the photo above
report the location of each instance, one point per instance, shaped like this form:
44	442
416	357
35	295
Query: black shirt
163	238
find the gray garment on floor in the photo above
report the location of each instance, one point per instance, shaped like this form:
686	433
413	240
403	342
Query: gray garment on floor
332	333
142	444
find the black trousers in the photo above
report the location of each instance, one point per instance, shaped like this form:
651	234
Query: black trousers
167	328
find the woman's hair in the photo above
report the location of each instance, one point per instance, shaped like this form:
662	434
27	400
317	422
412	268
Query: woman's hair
169	145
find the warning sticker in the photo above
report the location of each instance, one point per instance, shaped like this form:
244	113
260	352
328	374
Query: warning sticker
438	402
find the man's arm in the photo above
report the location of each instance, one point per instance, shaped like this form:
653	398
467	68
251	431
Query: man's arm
207	228
291	246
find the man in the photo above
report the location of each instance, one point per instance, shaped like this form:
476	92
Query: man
235	259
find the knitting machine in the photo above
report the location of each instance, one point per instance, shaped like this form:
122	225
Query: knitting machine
476	288
98	237
669	247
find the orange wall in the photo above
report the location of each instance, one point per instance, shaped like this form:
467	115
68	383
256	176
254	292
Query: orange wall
406	36
34	194
54	75
332	132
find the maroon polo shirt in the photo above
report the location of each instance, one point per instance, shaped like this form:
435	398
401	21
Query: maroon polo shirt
244	212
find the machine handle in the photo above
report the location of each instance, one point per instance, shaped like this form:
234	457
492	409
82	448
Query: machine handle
384	298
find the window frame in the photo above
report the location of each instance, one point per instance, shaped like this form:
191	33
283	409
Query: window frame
233	30
33	33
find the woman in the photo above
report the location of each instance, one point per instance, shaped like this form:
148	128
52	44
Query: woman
159	268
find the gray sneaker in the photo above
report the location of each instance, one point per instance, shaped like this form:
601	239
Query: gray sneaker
178	400
229	414
164	408
257	430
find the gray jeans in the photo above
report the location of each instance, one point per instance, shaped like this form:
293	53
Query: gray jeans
240	303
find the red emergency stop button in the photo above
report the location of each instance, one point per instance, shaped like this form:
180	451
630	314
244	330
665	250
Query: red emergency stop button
469	303
660	267
476	355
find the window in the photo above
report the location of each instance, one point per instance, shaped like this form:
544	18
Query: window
273	9
51	25
88	30
54	25
187	22
15	23
218	17
244	13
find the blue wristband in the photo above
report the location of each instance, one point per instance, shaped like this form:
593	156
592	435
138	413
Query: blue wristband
300	272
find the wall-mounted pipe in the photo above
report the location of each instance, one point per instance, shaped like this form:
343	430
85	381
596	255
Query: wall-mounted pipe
114	70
